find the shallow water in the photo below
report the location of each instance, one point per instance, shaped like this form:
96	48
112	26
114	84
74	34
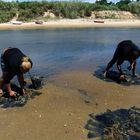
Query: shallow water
56	50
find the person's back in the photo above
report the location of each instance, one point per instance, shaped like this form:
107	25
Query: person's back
13	57
126	48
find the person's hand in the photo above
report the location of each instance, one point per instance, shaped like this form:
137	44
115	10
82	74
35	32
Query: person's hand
12	93
122	77
1	92
24	91
104	74
131	67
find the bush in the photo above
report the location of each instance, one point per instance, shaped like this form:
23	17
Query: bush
71	9
26	15
134	8
6	16
123	5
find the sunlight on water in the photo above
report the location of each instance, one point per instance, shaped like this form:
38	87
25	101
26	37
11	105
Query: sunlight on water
56	50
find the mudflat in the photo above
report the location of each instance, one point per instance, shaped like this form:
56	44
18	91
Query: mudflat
62	110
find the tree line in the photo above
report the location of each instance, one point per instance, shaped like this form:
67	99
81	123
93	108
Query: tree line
28	11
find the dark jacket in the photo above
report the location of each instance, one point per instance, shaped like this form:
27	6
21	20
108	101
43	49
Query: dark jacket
126	50
12	59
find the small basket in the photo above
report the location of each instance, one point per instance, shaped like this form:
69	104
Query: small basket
37	82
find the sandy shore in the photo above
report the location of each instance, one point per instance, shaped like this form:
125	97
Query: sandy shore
75	23
62	110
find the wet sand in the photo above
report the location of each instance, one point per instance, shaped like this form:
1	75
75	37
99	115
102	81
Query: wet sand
73	23
61	111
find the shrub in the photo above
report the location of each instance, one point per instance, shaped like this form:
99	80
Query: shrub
134	8
6	16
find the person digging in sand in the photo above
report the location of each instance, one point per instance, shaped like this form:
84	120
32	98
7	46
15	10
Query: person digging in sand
14	62
126	50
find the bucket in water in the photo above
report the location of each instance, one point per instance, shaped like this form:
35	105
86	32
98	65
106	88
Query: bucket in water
37	82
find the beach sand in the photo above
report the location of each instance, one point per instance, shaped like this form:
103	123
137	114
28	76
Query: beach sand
62	110
72	23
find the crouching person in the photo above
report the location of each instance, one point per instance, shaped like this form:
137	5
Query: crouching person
125	51
14	63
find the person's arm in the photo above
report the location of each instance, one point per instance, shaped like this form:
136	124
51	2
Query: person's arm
7	76
10	91
21	81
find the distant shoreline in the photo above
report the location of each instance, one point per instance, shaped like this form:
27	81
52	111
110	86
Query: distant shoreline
73	23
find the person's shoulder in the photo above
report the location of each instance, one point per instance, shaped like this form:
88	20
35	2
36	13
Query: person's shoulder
126	42
16	48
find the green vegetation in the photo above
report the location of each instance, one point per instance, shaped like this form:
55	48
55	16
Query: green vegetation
28	11
7	11
134	8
